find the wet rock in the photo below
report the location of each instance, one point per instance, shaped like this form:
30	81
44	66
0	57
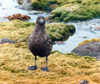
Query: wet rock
84	82
35	12
88	49
0	4
5	40
4	8
19	17
25	4
20	1
59	42
84	37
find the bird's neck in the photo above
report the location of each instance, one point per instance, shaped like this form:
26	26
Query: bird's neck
40	28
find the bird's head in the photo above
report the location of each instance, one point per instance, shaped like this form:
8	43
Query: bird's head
40	20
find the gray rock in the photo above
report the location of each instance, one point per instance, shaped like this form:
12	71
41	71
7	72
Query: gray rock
84	82
35	12
20	1
89	49
0	4
26	4
5	40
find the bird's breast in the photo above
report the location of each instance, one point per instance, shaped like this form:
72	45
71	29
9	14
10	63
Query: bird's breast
37	40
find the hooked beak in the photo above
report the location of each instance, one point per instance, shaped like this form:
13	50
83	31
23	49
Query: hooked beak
41	20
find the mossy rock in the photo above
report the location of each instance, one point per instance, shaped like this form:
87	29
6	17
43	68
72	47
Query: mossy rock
69	10
88	48
72	29
20	31
77	10
60	31
46	5
89	41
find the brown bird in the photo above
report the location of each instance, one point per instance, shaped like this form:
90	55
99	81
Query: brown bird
40	43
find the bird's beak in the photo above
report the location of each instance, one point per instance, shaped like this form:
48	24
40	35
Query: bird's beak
41	20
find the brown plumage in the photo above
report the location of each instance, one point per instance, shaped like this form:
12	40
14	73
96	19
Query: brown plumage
40	43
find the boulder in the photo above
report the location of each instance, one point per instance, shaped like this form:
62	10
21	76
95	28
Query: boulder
88	49
59	31
25	4
5	40
20	1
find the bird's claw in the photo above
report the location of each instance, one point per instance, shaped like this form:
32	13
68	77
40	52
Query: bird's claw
45	69
32	68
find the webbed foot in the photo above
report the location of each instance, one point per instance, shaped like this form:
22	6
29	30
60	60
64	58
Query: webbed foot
32	68
45	69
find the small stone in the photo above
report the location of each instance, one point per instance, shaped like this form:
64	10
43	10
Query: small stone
84	82
5	40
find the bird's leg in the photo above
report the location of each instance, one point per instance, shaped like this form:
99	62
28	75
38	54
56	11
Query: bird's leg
46	67
35	66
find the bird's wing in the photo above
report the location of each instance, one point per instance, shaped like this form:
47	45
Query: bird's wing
49	42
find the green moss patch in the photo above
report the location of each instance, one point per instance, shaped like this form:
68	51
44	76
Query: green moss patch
20	31
60	31
46	5
77	10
